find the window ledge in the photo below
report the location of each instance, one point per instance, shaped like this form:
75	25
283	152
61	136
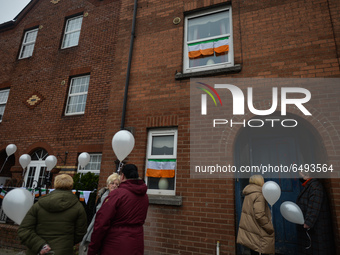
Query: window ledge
226	70
165	200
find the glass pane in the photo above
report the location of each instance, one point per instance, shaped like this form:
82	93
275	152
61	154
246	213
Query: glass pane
31	36
71	39
162	145
2	110
42	176
4	96
80	85
30	177
208	26
153	183
39	154
27	51
95	162
74	24
76	104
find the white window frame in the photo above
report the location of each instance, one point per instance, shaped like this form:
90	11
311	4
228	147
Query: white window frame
76	94
3	102
38	175
162	132
229	63
68	32
86	168
25	44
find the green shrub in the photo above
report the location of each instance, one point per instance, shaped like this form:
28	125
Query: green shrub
88	181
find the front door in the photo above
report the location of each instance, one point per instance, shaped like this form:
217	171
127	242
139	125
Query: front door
274	146
275	152
35	174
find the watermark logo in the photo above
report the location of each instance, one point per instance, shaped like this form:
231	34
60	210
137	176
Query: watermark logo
239	101
204	97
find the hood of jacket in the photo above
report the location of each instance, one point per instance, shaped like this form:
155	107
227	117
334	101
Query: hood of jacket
58	200
252	188
136	186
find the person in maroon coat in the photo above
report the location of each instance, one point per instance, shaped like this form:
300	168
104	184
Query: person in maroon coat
118	228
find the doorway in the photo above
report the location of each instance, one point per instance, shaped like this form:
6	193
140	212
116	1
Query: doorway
34	176
275	146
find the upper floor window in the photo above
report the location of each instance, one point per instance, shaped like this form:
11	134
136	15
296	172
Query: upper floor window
3	101
77	95
28	43
208	40
72	32
161	161
93	166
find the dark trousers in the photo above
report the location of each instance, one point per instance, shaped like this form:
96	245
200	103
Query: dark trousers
255	252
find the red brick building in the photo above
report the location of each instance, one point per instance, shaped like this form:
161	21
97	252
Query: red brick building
86	45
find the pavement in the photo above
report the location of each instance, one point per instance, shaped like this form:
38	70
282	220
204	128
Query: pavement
11	252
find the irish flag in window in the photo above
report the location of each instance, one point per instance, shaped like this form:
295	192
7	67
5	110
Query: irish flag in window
207	48
161	168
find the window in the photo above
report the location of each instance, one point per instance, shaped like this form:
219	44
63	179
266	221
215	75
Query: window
77	95
28	43
36	170
3	101
208	40
72	32
93	166
161	161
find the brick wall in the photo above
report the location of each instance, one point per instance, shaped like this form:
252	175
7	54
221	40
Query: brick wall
9	238
292	39
49	71
284	39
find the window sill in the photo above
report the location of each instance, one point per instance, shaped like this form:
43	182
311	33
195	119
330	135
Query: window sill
165	200
227	70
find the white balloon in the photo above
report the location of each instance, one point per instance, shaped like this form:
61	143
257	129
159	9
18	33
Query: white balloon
24	160
122	144
16	204
271	192
84	159
10	149
163	183
50	162
292	212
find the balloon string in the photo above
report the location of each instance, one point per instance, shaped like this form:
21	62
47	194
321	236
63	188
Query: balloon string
119	167
310	240
3	164
23	172
271	213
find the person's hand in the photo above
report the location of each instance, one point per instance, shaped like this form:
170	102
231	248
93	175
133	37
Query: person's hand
46	248
306	226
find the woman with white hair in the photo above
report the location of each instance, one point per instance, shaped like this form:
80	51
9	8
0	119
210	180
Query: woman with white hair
112	183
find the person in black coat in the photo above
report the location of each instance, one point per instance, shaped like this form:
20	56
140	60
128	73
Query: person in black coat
316	235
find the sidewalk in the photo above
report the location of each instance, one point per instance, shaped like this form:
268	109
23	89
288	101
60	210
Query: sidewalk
11	252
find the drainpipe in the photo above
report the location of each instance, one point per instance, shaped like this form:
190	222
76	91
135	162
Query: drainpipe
129	65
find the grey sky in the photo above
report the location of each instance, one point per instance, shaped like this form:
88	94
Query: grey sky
9	9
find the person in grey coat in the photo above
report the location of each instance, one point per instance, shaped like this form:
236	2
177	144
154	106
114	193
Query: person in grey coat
112	182
316	235
56	222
